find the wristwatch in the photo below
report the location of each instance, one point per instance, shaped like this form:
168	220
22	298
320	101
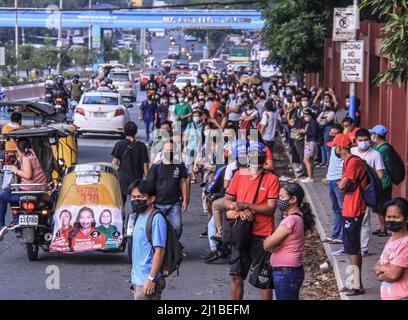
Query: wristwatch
151	278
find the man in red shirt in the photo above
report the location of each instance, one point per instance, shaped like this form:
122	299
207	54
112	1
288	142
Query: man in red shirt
240	197
353	180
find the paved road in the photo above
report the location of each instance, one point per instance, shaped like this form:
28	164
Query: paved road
105	276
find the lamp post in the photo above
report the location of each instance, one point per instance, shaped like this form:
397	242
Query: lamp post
90	34
59	43
353	85
16	35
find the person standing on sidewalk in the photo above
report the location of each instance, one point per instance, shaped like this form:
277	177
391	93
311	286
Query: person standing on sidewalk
334	174
374	160
354	207
379	137
147	258
311	133
132	158
287	243
392	268
240	197
172	189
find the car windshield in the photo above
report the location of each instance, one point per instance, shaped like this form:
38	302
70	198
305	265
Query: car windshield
109	101
119	77
149	72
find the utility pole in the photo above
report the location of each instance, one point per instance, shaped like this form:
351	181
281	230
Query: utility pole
90	33
353	85
16	34
59	43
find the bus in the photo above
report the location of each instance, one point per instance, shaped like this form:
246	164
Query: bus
267	70
240	54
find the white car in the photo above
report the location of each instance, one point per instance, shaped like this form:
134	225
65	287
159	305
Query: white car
101	112
181	81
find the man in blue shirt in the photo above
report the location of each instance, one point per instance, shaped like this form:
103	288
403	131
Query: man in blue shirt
149	114
147	258
334	174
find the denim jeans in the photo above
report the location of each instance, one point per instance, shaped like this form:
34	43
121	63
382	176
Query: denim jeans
287	283
149	128
173	213
5	198
324	148
212	230
337	199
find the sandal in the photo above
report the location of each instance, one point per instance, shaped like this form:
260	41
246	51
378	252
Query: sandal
193	181
376	232
355	292
382	234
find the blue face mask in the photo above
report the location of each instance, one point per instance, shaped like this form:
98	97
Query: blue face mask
363	145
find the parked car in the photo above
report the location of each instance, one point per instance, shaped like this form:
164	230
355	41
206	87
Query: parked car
101	112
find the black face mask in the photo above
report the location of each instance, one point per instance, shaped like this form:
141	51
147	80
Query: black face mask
394	226
139	206
331	138
337	155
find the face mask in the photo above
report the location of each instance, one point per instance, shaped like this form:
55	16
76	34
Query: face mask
181	100
173	101
394	226
201	97
232	96
331	138
139	206
273	97
347	105
223	87
251	96
305	104
363	145
196	119
288	92
283	205
169	156
373	139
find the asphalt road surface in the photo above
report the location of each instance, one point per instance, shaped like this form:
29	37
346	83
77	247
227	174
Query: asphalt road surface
99	276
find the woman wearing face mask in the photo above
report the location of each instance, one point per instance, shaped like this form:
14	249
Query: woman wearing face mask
325	121
392	268
183	112
288	241
147	259
192	141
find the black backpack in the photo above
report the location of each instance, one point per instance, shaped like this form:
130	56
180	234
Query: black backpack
397	169
173	255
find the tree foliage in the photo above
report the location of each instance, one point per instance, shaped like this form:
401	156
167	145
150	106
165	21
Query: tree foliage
395	38
294	32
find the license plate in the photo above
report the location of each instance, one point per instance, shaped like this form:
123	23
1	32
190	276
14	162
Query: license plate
85	180
99	115
26	220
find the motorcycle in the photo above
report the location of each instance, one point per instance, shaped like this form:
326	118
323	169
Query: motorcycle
59	104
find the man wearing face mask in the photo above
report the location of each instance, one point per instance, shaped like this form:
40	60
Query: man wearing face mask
354	206
246	204
147	258
149	115
374	159
233	109
325	121
172	189
163	109
183	112
192	140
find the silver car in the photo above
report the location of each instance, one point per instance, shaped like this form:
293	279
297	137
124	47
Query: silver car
125	83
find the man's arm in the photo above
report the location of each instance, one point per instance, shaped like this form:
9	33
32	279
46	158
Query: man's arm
115	161
184	193
158	256
146	169
343	184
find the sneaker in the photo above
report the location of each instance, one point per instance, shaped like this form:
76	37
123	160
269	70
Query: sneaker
210	255
217	256
324	181
204	234
3	232
338	252
336	241
364	253
307	180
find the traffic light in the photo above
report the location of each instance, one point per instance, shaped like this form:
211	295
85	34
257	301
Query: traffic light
137	3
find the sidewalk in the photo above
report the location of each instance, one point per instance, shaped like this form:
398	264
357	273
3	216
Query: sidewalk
317	196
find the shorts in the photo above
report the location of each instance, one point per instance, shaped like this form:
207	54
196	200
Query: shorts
351	237
138	291
310	149
241	260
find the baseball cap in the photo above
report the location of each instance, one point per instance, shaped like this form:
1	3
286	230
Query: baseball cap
380	129
256	146
340	140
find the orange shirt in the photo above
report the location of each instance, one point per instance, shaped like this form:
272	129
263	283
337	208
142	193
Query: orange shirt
354	204
213	109
94	240
352	135
7	128
61	243
243	188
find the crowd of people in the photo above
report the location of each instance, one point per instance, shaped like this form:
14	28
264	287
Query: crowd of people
222	134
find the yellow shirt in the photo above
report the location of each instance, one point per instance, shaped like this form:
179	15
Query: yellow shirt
10	127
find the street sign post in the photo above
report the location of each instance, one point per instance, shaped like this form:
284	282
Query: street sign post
345	23
352	61
2	56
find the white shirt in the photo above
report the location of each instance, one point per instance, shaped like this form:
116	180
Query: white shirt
172	113
233	116
269	120
250	113
229	171
371	156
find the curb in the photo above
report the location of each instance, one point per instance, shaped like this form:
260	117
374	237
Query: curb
322	234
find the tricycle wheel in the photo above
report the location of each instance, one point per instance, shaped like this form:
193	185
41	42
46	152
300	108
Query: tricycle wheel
129	249
32	251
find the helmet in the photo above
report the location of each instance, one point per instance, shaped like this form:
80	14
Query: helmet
60	80
151	77
76	76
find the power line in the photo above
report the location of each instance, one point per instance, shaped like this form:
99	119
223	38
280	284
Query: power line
170	6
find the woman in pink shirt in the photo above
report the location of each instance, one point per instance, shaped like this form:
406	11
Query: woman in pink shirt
392	268
288	241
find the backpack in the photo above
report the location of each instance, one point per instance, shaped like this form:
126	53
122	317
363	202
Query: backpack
173	255
397	169
372	193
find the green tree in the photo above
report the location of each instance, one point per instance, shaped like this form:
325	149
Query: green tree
395	38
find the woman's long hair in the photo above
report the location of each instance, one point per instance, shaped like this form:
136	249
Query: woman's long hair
295	190
77	225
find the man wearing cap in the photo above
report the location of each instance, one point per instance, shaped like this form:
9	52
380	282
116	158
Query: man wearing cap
251	195
354	207
378	136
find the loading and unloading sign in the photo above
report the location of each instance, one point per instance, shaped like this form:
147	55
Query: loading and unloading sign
352	61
